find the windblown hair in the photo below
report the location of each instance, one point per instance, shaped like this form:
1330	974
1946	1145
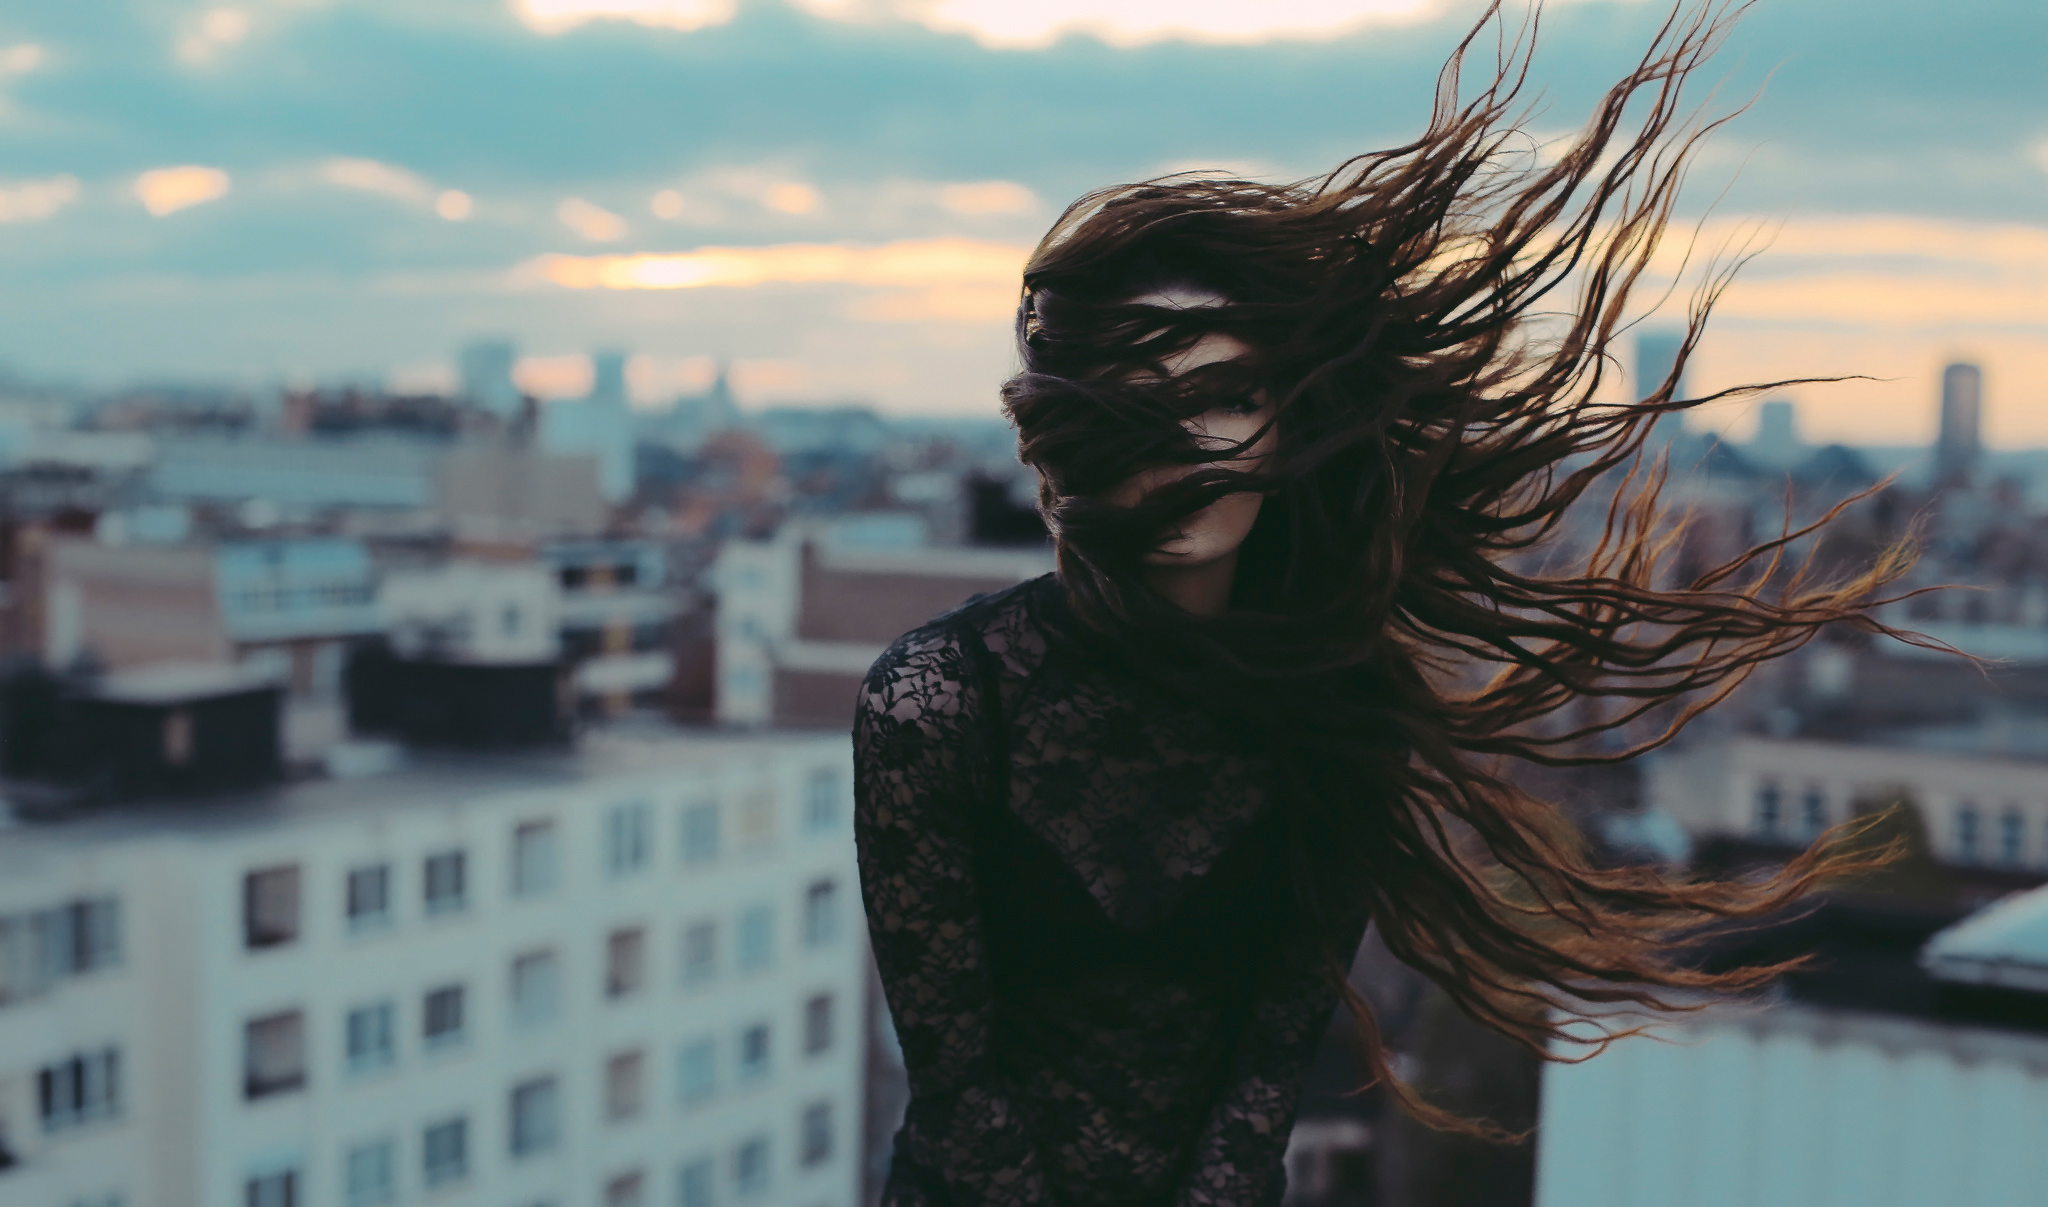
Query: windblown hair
1395	639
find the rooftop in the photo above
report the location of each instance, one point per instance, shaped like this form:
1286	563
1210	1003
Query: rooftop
2005	944
622	748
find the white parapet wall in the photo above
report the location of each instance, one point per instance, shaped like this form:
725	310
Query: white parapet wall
1795	1106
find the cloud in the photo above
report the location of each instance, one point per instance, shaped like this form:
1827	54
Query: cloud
909	263
35	200
1879	270
1007	23
791	197
370	176
168	190
22	58
454	205
988	197
595	223
560	16
208	33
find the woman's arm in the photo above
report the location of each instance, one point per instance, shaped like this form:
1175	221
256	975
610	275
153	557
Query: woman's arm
921	754
1236	1161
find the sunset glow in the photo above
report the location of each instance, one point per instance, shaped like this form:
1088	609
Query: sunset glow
909	263
168	190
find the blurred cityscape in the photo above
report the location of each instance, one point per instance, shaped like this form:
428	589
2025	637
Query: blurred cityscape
416	797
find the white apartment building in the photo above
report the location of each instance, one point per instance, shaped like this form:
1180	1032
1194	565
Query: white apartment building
1979	808
618	976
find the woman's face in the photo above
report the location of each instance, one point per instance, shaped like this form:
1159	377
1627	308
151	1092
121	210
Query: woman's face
1217	530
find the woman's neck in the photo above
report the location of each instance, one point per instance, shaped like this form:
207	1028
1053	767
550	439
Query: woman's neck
1203	590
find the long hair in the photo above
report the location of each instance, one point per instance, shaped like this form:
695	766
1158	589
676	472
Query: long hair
1396	640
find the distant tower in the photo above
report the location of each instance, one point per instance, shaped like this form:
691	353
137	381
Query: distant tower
608	377
1656	355
599	425
1777	440
721	409
487	375
1962	409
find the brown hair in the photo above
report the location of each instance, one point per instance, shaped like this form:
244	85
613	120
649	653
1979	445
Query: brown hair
1394	639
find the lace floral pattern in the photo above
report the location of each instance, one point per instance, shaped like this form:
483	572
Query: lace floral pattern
1132	1081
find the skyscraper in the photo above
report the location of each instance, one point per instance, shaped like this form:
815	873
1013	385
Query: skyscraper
487	375
1958	445
599	425
1656	354
1777	443
608	377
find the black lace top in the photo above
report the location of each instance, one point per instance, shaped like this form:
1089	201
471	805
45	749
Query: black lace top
1079	905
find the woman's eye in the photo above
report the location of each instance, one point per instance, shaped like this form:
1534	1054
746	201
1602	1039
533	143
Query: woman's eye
1243	406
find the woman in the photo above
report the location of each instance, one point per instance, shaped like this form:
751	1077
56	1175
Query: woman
1303	449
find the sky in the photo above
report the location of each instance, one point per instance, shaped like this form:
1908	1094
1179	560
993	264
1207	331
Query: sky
835	195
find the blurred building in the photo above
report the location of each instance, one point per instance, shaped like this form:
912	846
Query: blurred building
625	973
600	426
620	601
486	367
800	620
1911	1067
1981	807
1959	445
1777	444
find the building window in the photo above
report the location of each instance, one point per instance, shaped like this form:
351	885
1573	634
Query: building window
95	934
270	906
628	837
626	1190
536	988
755	944
817	1023
756	821
1767	810
84	1088
700	832
625	962
821	801
625	1085
369	896
42	946
441	1017
754	1052
446	891
1813	812
371	1042
445	1151
280	1189
2012	838
817	1133
536	1116
534	859
697	1071
750	1167
700	952
695	1182
1968	823
820	913
274	1055
370	1174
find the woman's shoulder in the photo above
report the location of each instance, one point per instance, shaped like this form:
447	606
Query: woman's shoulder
950	647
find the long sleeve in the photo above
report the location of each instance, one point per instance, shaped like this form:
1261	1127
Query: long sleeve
921	754
1237	1158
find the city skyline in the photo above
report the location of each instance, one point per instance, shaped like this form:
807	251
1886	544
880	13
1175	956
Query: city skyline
286	191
